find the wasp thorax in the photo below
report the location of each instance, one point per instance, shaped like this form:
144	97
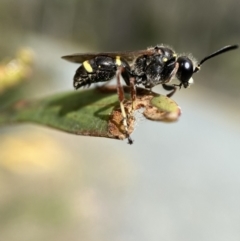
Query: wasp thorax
185	70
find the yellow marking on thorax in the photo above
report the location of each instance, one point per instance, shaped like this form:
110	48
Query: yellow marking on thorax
87	66
118	61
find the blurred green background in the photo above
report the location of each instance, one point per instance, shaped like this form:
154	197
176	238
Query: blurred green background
177	181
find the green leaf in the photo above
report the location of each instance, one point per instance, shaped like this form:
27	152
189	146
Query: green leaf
93	112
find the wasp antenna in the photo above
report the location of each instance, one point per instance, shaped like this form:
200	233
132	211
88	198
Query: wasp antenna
220	51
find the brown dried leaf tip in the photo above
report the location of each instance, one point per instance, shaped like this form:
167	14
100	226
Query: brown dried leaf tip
115	124
156	107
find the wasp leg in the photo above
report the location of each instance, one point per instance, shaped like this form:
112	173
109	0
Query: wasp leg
133	93
130	81
121	99
170	87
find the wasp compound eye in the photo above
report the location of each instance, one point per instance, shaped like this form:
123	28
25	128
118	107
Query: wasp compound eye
185	70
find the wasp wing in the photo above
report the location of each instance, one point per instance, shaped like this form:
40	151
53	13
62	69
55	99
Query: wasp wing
127	55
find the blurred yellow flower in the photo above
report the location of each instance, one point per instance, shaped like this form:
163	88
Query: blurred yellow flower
16	70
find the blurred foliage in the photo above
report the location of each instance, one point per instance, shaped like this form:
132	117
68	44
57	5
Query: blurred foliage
13	72
136	24
93	113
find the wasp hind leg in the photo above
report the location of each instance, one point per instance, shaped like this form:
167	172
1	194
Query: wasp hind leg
121	100
130	81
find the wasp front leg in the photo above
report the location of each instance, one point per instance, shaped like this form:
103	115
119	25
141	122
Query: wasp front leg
171	88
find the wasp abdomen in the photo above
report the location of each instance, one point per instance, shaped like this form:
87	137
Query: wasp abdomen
98	69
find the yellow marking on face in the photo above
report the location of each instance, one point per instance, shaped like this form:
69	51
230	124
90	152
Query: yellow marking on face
165	59
87	66
174	55
118	61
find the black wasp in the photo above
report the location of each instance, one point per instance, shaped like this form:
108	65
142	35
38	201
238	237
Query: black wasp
150	67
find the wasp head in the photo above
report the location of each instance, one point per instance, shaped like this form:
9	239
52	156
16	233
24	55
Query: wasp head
187	67
185	70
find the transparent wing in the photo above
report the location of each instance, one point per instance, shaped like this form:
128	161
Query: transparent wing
127	55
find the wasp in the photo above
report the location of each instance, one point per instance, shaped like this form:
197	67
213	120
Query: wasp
150	67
